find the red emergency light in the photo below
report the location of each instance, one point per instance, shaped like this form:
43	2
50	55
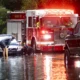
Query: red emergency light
44	31
60	11
54	11
45	34
17	16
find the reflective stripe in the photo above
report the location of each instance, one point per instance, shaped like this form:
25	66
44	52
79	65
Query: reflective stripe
29	42
48	43
45	43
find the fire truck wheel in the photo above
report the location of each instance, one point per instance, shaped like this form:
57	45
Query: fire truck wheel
33	44
62	35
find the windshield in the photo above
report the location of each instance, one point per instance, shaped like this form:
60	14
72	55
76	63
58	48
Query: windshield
56	21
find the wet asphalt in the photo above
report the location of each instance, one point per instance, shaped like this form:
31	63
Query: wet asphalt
37	67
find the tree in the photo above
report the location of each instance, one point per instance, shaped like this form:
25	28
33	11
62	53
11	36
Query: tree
12	4
3	17
29	4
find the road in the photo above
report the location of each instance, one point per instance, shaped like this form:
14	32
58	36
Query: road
48	66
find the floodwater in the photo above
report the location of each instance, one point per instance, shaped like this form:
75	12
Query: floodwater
37	67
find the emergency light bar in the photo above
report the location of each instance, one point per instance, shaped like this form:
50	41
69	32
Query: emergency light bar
54	11
60	11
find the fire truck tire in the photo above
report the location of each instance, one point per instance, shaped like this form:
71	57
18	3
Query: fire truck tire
33	44
62	35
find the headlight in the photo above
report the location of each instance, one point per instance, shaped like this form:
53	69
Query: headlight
47	36
77	64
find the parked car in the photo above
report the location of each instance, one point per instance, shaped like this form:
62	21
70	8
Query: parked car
72	45
14	47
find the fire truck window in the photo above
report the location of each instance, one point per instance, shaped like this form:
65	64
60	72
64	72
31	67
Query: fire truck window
51	21
34	21
37	19
66	21
29	21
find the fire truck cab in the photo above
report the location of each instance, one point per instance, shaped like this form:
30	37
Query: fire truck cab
46	29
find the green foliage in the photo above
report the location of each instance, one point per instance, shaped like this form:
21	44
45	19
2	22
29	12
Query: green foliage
3	17
4	30
12	4
29	4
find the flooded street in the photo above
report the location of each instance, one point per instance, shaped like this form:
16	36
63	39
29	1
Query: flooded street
37	67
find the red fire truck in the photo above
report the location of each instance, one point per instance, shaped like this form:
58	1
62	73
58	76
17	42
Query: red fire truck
45	28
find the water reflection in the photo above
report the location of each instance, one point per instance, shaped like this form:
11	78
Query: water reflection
49	68
55	67
12	69
38	67
73	72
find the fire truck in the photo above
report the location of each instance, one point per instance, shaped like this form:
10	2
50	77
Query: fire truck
44	29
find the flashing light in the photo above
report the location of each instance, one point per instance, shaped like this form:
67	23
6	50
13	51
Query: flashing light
60	11
47	36
44	31
54	11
